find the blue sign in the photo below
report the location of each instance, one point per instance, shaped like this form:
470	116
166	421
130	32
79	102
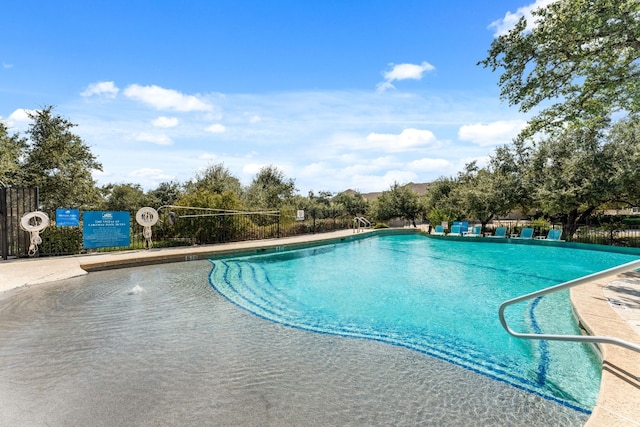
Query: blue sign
105	229
67	217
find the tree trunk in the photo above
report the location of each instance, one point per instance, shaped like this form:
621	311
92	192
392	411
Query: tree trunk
571	221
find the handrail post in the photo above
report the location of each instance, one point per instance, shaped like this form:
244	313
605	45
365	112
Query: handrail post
566	285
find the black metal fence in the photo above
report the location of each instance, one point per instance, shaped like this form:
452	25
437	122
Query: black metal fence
14	203
623	235
192	226
616	233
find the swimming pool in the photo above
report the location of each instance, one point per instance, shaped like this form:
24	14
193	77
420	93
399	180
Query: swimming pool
439	297
157	346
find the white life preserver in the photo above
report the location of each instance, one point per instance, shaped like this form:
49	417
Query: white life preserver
147	216
26	225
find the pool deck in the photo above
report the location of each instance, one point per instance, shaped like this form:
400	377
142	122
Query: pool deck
606	307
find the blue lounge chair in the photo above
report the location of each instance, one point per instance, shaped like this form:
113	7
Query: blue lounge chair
501	232
554	234
525	233
455	230
476	231
438	231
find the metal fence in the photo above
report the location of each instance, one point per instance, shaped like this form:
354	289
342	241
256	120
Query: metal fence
193	226
610	234
621	235
14	203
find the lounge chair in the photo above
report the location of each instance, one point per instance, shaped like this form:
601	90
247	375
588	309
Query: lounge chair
476	231
501	232
554	234
525	233
438	231
455	230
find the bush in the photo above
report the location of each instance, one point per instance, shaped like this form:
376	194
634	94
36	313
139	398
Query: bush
631	220
61	241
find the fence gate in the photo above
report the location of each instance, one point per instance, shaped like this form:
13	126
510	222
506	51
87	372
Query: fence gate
14	203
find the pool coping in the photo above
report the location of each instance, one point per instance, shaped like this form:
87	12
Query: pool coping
603	307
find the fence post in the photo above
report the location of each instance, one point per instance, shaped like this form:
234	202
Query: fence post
278	229
224	227
4	226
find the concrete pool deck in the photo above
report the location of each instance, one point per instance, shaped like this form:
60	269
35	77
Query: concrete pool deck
607	307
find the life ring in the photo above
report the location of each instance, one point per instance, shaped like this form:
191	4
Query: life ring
147	216
41	221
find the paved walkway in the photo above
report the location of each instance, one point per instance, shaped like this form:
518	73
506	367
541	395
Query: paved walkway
607	307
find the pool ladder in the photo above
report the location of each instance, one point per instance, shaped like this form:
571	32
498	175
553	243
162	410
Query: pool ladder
360	222
566	285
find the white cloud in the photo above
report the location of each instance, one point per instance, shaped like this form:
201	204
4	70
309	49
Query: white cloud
209	157
252	168
156	174
408	139
430	165
6	66
155	138
216	128
20	115
18	120
494	133
504	25
403	72
104	89
166	99
165	122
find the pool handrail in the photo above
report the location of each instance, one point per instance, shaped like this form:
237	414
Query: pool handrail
566	285
360	222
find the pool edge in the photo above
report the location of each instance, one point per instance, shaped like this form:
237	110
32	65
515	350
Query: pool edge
619	395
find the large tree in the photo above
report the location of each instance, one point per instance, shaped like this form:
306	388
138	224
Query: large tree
59	163
13	149
400	201
579	61
166	193
623	148
483	193
270	189
441	201
572	174
216	179
352	202
124	197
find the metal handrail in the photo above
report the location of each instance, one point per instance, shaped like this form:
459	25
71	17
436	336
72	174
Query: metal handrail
566	285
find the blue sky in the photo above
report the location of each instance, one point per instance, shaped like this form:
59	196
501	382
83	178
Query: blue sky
337	94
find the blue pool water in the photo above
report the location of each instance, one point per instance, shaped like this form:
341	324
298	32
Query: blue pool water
436	296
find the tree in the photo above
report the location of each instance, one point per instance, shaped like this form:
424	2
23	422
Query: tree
270	189
582	55
398	202
352	201
124	197
216	179
441	202
572	175
167	193
482	193
59	163
511	165
13	149
623	148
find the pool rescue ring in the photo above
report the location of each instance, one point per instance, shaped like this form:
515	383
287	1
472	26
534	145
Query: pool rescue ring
147	217
40	221
34	223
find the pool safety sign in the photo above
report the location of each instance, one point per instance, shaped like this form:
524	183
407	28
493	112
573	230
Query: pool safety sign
300	215
67	217
106	229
